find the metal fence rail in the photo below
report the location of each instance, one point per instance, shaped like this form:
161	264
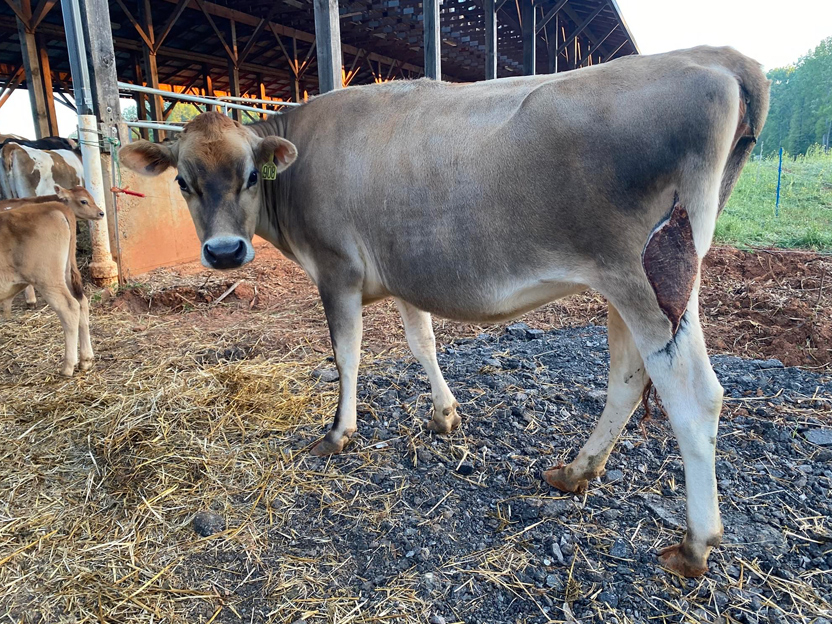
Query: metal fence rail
225	103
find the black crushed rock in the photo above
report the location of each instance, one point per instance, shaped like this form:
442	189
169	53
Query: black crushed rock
207	523
495	544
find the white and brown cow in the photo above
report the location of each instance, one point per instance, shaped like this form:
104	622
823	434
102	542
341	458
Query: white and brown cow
482	201
37	247
26	171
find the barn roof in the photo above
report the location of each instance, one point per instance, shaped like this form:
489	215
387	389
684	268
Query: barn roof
381	39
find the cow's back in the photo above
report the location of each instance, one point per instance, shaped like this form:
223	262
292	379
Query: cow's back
30	172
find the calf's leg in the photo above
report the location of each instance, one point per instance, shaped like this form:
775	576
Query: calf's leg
419	332
343	314
69	311
7	308
626	384
31	299
84	334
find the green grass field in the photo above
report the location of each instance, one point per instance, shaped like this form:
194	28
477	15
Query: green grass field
805	220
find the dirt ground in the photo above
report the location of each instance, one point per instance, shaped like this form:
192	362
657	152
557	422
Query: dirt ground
172	482
757	304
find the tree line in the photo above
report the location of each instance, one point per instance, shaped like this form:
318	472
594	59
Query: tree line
800	114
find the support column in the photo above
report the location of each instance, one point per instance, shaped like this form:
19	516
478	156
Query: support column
490	10
234	72
92	57
433	44
140	98
328	42
261	93
34	76
151	71
234	88
46	74
528	17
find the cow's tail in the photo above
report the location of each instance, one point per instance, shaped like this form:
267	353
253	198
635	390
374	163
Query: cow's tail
754	94
74	282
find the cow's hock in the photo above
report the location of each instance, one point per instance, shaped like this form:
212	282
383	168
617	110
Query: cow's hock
671	263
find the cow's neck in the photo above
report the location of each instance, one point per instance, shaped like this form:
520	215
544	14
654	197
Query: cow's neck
273	200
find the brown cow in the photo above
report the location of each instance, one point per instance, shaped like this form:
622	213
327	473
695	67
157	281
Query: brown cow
37	246
482	201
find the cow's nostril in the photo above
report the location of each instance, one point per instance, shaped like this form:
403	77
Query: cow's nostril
225	253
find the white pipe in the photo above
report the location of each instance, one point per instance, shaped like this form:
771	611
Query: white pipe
102	268
257	101
153	126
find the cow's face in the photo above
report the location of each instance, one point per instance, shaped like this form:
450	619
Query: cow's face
219	163
80	202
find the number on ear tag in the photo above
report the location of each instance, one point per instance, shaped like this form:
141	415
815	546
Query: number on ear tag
270	170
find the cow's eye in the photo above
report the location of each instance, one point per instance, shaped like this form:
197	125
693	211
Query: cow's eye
182	184
252	179
84	202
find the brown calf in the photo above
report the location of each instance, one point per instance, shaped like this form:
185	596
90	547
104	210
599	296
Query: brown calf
37	247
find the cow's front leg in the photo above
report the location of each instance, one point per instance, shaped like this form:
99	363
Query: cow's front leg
626	384
343	313
419	331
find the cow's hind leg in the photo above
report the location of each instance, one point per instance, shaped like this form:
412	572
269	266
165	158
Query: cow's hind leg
343	314
7	308
69	311
419	331
679	367
626	384
31	298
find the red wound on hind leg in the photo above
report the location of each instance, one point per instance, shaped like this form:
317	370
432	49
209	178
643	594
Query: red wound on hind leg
671	263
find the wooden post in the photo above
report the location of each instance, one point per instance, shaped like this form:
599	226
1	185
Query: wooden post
528	16
140	99
234	72
490	11
151	71
46	74
234	87
328	41
261	88
34	75
433	43
207	82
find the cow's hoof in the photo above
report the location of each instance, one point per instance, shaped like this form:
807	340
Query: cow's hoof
31	306
560	478
675	559
329	446
446	422
85	365
67	371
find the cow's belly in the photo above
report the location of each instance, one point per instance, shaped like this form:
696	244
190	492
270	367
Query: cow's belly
486	301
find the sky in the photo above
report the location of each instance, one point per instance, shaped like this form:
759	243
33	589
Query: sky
774	33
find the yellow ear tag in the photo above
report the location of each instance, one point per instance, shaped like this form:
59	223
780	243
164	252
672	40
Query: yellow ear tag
270	170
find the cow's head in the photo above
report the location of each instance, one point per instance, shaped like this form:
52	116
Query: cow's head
219	163
80	202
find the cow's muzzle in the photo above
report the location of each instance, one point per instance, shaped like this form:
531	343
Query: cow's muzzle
226	252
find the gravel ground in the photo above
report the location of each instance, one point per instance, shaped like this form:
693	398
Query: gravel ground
475	536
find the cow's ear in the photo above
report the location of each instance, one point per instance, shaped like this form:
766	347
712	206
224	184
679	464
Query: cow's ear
62	193
280	150
147	158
